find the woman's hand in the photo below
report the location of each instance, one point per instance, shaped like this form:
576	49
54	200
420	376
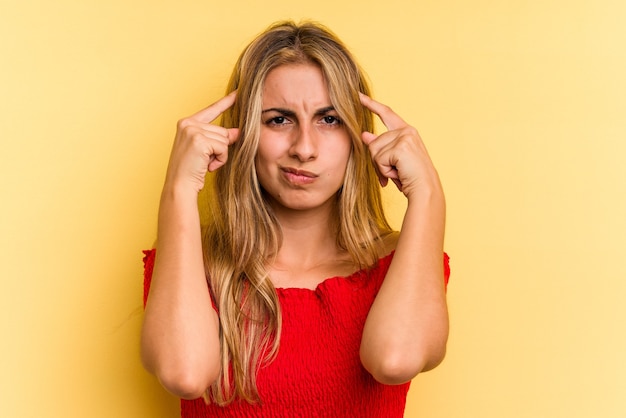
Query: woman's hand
200	146
399	154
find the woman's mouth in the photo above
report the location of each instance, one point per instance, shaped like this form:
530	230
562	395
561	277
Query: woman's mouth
298	177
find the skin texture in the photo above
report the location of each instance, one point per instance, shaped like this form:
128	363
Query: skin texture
301	160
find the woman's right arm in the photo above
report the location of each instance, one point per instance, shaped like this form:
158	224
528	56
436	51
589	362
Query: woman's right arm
180	333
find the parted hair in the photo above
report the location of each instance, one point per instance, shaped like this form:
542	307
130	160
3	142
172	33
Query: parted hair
242	234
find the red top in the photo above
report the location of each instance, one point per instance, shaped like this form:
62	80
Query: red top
317	372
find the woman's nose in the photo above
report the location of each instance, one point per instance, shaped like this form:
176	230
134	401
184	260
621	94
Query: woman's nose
304	144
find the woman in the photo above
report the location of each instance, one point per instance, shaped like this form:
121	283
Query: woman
297	299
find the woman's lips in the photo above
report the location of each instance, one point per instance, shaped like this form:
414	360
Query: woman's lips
298	177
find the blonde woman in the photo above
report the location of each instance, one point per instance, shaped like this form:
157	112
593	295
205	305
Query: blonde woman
297	299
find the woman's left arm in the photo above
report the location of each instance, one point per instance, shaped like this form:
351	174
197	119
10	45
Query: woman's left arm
406	330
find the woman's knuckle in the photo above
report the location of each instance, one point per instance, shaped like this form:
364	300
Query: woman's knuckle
411	131
183	123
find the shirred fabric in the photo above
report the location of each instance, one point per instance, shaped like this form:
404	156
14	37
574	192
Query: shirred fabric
317	372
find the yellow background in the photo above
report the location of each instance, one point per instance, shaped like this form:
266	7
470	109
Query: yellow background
521	103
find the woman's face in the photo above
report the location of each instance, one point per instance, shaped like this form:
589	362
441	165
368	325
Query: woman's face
304	146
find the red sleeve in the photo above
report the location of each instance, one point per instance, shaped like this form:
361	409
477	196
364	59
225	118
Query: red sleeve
148	266
446	268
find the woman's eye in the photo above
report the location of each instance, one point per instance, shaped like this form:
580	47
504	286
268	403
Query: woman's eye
331	120
278	120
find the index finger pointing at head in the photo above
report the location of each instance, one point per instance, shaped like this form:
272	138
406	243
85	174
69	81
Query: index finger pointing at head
212	112
388	116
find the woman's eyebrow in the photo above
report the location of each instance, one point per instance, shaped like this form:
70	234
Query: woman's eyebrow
284	112
291	113
324	110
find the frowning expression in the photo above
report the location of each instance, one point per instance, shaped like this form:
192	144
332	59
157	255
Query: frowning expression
304	146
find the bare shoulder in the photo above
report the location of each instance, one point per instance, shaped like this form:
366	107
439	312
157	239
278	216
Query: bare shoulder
390	241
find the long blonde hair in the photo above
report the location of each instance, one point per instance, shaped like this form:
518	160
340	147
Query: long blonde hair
242	233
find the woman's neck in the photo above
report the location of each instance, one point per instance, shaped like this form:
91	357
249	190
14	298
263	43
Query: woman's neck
309	252
309	235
